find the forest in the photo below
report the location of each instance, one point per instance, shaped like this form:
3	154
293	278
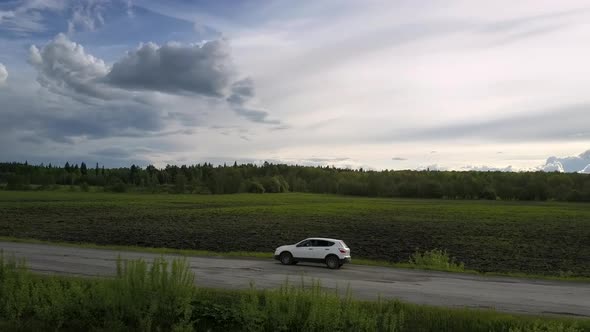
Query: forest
276	178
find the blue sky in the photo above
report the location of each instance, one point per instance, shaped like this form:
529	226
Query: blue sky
374	84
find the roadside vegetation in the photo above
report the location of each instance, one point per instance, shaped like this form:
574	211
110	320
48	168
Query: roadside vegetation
538	238
436	259
162	296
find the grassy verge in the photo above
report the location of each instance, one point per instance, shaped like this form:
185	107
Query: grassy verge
435	260
162	296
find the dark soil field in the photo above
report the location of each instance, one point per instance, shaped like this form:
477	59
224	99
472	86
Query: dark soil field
489	236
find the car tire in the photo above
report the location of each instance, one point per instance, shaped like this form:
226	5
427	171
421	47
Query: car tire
333	262
286	258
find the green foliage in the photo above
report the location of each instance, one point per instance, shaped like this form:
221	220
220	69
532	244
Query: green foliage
141	297
546	327
274	184
436	259
276	178
17	182
180	184
84	187
252	186
310	308
115	185
162	296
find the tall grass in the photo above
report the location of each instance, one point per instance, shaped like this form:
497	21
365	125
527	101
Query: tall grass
143	297
300	308
436	259
162	296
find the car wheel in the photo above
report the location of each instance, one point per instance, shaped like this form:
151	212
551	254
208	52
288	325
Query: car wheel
332	262
286	258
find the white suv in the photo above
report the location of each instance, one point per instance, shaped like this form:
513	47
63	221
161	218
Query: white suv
334	253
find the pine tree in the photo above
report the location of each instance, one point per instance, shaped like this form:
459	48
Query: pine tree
83	169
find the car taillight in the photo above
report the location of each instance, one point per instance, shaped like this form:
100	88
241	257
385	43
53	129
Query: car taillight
342	250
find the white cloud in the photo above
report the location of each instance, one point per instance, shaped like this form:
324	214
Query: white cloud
485	168
3	74
26	17
86	15
569	164
554	166
64	67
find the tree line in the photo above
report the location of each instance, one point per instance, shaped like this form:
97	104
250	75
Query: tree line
276	178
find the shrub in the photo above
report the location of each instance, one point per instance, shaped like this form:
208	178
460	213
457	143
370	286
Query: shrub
84	187
252	186
436	259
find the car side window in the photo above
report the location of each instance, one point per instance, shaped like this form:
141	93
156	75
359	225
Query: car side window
304	244
323	243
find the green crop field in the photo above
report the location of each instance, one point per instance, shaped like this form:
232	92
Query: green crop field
528	237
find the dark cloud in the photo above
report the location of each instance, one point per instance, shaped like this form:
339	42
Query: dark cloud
112	152
64	119
31	139
120	153
280	127
174	68
241	93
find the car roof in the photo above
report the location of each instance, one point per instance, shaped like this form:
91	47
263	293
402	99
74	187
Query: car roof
321	238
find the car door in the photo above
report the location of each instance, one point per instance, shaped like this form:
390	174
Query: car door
322	249
303	250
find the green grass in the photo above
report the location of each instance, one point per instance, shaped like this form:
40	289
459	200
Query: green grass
162	296
523	238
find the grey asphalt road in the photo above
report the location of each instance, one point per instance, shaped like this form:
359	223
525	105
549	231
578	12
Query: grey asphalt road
366	282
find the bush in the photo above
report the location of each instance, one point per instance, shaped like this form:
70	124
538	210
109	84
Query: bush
436	259
250	186
116	186
18	182
84	187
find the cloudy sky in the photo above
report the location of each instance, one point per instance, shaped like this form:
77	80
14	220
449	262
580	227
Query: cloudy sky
382	85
